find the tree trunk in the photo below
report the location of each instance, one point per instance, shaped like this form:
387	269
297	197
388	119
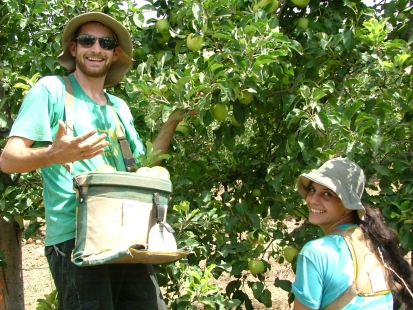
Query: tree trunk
11	277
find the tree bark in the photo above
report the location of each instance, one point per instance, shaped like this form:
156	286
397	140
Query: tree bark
11	277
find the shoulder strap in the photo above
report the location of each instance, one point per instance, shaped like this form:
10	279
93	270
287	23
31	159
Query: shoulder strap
124	145
69	106
69	102
364	261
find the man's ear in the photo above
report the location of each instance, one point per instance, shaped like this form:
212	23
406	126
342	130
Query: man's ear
116	52
72	48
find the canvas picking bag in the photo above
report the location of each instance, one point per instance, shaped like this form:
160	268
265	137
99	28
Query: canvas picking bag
115	213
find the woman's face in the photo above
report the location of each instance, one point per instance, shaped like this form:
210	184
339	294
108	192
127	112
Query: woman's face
326	209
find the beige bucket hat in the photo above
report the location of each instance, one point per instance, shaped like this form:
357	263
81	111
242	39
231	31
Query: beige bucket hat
120	66
343	177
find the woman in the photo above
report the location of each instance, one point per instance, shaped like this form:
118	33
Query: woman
325	267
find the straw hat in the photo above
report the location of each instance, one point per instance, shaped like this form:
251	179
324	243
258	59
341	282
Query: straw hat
343	177
120	66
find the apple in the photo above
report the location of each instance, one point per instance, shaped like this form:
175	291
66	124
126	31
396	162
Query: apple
303	22
145	172
219	111
163	26
194	42
105	168
289	253
401	16
263	3
256	192
159	54
161	172
301	3
256	266
164	38
246	97
183	127
213	169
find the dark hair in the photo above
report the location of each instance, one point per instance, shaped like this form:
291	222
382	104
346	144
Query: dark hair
384	238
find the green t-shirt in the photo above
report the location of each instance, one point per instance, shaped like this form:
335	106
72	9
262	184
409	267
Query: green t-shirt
38	119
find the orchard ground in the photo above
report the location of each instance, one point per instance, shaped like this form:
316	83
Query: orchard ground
38	281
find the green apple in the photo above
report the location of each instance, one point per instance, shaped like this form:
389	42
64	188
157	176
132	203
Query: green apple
289	253
163	26
183	127
301	3
401	16
246	97
256	192
164	38
194	42
145	172
303	22
159	55
161	172
263	3
105	168
219	111
256	266
213	169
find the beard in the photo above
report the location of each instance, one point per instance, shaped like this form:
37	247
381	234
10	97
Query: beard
92	71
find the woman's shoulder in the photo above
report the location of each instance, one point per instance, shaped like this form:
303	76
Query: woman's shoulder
324	245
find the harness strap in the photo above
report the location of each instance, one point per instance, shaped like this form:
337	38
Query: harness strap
124	145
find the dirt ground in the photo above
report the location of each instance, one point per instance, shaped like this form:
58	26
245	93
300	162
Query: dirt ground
38	281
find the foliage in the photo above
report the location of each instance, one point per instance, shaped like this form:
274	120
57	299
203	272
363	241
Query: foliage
151	157
342	87
50	302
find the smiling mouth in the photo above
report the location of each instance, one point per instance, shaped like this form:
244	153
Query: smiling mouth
317	211
94	59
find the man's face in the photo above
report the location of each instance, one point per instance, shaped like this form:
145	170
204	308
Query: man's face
94	61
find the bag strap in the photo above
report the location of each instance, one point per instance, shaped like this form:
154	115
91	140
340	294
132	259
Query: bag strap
124	145
69	112
69	106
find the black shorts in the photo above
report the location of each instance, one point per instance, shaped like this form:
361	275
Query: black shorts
103	287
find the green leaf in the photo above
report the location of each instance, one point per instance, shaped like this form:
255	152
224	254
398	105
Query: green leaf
352	109
283	284
265	298
254	218
257	288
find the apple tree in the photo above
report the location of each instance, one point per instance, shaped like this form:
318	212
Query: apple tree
278	92
295	94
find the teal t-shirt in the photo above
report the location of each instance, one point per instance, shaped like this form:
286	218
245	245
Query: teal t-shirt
38	119
325	270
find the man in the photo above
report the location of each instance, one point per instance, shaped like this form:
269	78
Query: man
97	50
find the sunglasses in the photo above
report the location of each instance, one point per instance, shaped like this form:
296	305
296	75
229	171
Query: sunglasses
87	40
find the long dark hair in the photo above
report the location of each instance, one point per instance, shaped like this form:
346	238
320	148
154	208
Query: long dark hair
384	238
